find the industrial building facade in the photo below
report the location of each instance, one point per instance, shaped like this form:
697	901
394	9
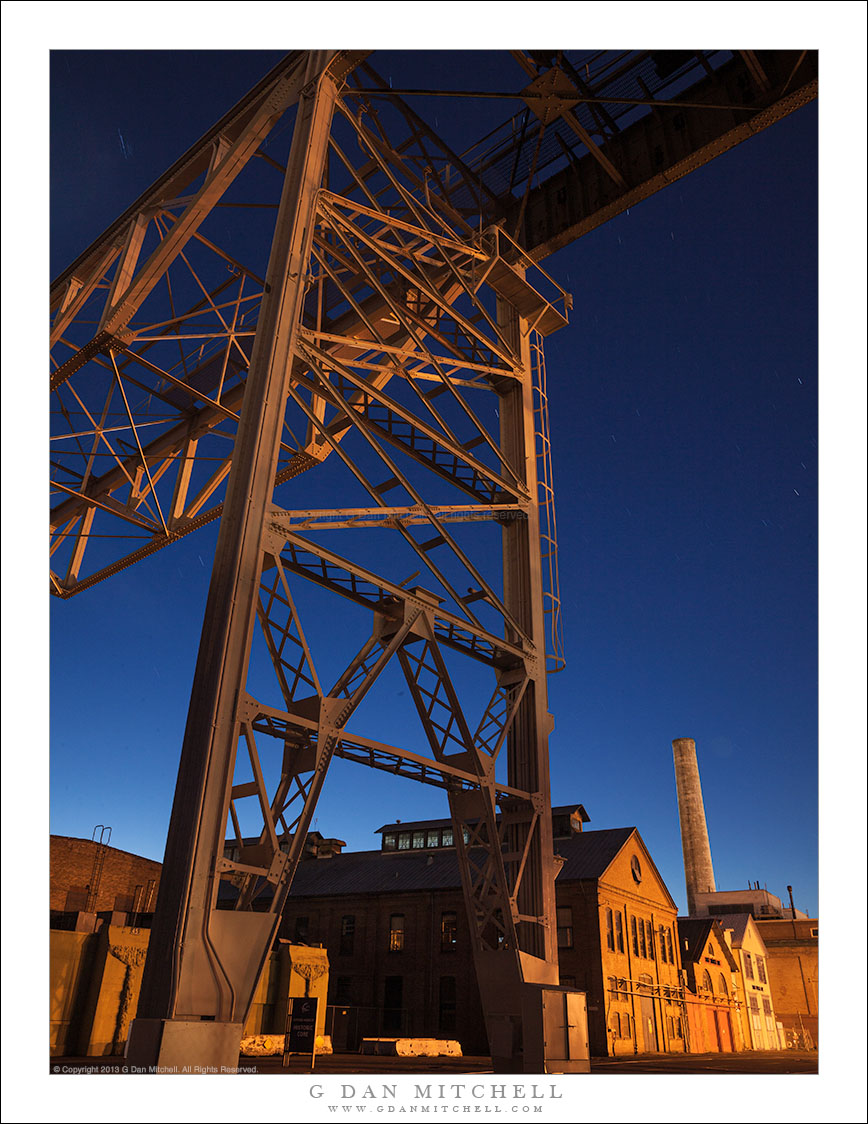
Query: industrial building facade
794	969
394	924
90	877
714	1024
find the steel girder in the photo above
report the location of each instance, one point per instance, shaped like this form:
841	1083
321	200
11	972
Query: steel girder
389	310
153	325
385	335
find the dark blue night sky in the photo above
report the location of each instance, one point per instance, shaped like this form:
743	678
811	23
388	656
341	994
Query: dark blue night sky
683	400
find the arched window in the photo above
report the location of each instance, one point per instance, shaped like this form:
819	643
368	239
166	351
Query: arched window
724	990
706	982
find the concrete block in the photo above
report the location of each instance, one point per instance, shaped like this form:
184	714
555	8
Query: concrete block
269	1045
412	1047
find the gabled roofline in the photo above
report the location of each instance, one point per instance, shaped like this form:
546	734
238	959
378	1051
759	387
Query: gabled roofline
709	925
749	921
634	832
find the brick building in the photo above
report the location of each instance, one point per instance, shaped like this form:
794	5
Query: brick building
711	972
760	1028
794	971
94	878
394	925
398	942
618	942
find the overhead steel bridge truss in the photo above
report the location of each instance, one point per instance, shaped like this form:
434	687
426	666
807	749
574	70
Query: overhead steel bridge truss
393	342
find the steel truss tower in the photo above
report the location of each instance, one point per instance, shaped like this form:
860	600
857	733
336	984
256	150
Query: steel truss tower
393	344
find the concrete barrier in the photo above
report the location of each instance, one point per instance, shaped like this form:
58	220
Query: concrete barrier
269	1045
412	1047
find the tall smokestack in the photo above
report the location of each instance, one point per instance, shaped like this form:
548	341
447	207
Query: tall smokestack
698	871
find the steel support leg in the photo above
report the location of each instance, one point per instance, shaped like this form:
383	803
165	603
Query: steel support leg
509	980
203	965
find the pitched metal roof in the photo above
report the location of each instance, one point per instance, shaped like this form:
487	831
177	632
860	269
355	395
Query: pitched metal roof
587	855
693	932
590	853
738	922
377	872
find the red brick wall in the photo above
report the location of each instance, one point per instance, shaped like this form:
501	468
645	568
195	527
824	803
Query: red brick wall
71	865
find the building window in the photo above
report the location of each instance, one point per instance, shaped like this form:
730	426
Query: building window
748	966
396	932
418	839
619	931
669	946
446	837
561	826
754	1012
634	935
565	926
724	990
815	932
610	931
767	1007
448	1004
404	841
649	930
301	930
390	842
448	931
643	947
433	838
761	969
348	932
706	982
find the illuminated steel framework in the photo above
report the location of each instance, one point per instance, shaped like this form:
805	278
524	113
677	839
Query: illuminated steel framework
394	343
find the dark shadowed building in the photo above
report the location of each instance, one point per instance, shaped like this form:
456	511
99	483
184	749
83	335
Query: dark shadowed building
394	925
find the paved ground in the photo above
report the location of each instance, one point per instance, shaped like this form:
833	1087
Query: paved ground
761	1061
788	1061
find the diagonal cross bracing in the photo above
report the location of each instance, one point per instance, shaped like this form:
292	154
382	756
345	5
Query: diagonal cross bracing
375	335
